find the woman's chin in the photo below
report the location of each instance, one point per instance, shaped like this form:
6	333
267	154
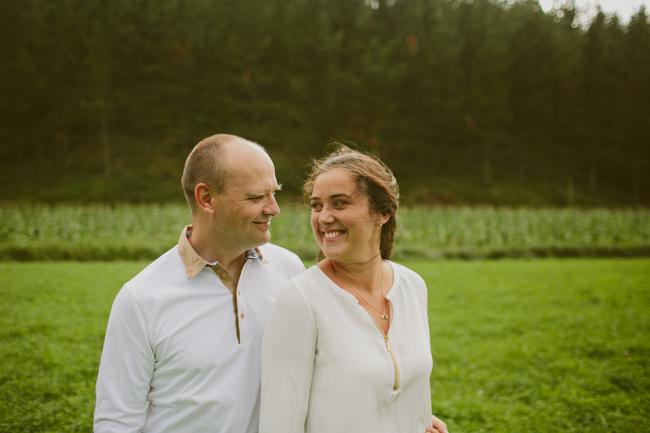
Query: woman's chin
343	254
330	255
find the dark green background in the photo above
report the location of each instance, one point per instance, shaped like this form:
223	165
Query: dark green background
468	101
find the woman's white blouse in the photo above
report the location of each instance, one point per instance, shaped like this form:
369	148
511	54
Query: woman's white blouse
327	368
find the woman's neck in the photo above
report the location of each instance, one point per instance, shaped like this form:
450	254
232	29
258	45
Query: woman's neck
365	276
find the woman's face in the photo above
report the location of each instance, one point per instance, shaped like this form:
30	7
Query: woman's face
344	226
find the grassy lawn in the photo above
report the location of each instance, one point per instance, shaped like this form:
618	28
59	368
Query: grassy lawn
519	346
541	346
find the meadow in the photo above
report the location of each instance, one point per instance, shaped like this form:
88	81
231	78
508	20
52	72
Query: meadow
552	345
132	232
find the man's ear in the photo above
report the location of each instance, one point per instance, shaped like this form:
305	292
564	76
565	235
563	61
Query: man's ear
203	197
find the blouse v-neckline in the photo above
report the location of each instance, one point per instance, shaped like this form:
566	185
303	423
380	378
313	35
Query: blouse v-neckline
349	297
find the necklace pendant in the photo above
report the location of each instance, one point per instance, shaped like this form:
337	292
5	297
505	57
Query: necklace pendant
384	316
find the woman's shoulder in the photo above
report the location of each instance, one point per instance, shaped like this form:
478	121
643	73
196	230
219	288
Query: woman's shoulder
410	284
407	275
306	279
307	283
301	292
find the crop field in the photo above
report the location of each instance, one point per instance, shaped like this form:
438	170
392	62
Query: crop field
103	232
519	346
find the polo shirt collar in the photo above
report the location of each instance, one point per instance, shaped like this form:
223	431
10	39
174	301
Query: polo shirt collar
194	263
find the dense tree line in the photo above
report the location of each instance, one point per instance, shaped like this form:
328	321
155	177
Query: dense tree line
469	101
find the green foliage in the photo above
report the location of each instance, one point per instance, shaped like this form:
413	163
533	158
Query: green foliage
470	101
518	346
499	232
118	232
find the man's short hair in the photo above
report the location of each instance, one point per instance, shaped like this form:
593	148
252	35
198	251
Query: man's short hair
205	164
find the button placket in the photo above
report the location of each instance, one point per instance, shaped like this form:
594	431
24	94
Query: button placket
227	281
240	307
244	313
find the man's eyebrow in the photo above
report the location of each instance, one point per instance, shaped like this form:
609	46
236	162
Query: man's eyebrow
259	193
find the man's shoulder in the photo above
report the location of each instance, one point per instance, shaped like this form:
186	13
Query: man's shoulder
166	268
282	257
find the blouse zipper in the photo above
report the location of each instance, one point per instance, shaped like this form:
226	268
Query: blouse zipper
392	357
390	350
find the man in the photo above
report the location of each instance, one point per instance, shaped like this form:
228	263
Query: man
183	342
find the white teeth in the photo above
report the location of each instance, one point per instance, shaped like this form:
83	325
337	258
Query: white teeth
332	235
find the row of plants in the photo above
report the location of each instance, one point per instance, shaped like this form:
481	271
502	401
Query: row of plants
113	232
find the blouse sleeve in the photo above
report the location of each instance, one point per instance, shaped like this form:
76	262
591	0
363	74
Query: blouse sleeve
425	324
288	354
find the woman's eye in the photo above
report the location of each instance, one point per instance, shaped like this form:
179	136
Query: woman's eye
315	206
340	203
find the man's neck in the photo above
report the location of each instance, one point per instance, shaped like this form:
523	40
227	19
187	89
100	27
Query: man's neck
214	250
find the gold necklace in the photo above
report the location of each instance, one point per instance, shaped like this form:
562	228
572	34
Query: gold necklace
382	312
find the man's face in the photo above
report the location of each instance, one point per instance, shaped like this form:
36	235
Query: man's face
244	209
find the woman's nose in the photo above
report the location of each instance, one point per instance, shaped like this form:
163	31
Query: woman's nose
325	216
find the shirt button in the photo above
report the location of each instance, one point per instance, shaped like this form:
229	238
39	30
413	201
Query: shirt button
223	275
241	316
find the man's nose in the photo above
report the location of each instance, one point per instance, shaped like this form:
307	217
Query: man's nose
271	207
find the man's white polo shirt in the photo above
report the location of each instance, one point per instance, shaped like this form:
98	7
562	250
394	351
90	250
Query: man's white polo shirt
183	346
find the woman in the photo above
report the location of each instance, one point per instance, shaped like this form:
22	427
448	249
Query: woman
346	348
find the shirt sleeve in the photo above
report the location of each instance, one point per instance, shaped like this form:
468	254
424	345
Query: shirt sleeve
288	354
125	370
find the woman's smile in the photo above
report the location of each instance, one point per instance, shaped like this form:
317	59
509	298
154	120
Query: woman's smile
333	235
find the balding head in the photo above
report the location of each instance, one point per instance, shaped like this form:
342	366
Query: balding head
210	161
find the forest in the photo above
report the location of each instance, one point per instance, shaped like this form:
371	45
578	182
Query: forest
470	102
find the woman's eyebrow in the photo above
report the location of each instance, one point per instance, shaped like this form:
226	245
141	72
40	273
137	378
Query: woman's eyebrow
332	196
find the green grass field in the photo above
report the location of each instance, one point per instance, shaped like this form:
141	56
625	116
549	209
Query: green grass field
132	232
519	346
